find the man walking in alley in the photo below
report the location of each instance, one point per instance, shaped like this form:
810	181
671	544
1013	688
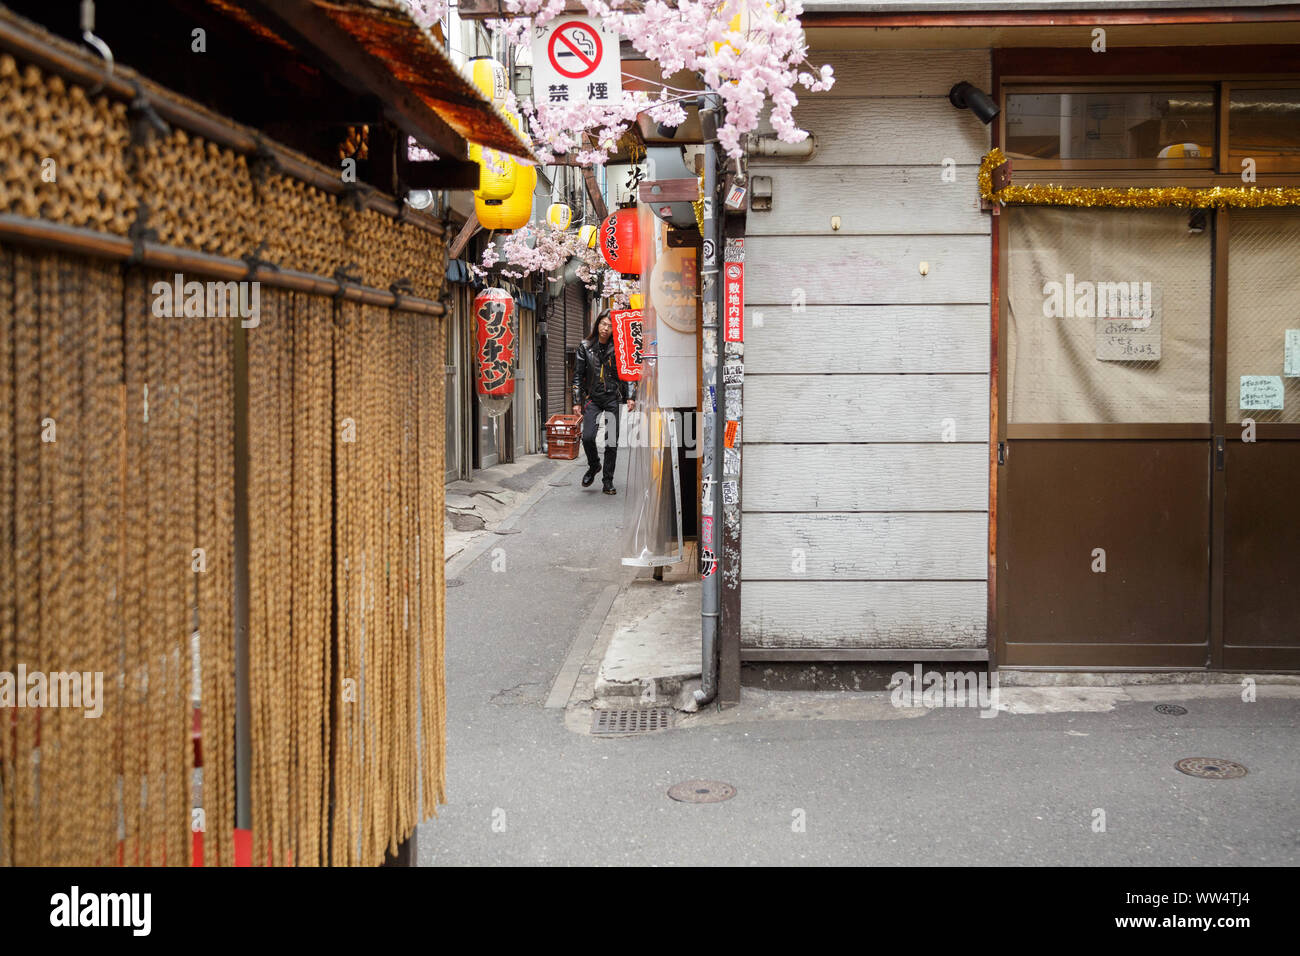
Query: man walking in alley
597	392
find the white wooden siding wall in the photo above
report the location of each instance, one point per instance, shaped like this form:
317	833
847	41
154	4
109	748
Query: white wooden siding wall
846	400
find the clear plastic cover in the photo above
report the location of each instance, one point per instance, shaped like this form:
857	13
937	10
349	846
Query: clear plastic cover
652	522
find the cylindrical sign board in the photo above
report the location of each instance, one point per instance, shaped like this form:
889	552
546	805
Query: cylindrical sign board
495	311
620	241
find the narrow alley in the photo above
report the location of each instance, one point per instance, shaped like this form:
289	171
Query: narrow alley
820	777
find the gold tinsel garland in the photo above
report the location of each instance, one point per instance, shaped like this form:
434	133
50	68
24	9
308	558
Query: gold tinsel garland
698	206
1132	197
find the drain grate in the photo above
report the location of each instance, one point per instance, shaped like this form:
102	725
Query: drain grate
701	791
639	721
1211	768
1173	710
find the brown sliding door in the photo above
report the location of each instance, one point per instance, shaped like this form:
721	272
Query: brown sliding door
1105	496
1261	478
1148	506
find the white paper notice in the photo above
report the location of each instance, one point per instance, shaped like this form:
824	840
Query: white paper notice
1261	392
1291	354
1128	322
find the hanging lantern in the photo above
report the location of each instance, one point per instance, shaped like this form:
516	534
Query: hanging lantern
498	173
587	236
628	343
559	215
620	241
490	78
494	310
514	211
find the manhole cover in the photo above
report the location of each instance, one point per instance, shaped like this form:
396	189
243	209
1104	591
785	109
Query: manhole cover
454	582
1173	710
1211	768
639	721
702	791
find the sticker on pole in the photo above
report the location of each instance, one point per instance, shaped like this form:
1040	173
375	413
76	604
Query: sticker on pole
576	60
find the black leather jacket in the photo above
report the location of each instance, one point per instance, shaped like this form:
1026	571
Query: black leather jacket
595	375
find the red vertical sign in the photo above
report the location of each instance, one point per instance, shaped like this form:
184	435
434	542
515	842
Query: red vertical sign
628	343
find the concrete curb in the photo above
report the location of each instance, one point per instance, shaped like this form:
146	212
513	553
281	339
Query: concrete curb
567	678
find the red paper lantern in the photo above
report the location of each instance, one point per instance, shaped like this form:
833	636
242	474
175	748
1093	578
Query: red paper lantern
495	310
620	241
628	343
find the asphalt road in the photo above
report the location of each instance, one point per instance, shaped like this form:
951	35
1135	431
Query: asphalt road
946	788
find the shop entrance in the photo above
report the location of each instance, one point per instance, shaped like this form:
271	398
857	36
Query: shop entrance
1150	439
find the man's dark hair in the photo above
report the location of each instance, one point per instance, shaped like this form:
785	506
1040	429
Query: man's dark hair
594	335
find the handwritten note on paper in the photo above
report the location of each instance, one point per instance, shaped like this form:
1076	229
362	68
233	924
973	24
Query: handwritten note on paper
1261	392
1291	354
1128	327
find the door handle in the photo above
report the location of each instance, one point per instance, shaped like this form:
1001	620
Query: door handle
1218	453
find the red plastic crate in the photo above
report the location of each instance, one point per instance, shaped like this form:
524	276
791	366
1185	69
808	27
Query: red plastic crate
563	433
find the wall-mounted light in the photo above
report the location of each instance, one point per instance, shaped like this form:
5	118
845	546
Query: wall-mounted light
967	96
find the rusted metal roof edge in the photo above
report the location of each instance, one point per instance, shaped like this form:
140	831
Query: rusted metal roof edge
386	31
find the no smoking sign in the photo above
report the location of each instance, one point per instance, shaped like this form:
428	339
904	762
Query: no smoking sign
576	60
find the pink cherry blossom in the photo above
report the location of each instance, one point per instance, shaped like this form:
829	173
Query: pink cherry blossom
750	70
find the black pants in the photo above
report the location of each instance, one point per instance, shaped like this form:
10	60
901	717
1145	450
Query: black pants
591	413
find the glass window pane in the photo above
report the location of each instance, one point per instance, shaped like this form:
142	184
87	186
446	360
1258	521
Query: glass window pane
1108	317
1102	125
1264	315
1265	124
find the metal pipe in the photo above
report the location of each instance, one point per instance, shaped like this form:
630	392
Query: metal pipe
768	144
53	235
711	403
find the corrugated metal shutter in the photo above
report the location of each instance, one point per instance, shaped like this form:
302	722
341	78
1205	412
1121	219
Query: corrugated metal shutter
566	319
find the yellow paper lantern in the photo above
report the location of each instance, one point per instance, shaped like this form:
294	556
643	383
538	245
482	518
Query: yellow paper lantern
490	78
587	235
514	211
498	173
559	215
